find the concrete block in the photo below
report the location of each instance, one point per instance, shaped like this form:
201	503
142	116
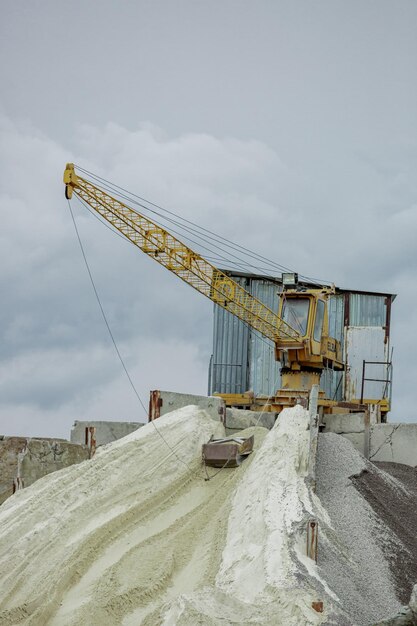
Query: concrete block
172	400
106	432
239	419
28	459
344	423
357	440
394	442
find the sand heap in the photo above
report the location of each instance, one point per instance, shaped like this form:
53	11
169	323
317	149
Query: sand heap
137	536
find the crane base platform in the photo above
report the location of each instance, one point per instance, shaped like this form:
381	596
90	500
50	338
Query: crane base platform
290	397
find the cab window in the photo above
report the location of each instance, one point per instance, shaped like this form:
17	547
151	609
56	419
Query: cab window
295	313
318	324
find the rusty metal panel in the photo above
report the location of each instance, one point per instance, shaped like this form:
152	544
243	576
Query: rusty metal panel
228	452
155	403
90	440
229	363
312	539
365	343
264	370
367	310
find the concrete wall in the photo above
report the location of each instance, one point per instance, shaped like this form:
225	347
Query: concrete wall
24	460
394	442
234	419
384	442
170	400
239	419
106	432
350	425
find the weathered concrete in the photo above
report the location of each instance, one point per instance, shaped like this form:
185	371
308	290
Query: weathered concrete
357	440
233	419
349	425
344	423
378	442
239	419
24	460
394	442
106	432
170	400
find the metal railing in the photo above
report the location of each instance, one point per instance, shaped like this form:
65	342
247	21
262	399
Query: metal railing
387	380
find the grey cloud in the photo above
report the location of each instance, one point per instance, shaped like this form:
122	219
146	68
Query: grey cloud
289	128
52	305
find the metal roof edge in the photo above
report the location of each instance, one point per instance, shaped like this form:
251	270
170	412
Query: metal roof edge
277	280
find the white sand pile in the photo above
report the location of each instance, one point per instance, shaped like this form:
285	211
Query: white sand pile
88	544
137	537
265	576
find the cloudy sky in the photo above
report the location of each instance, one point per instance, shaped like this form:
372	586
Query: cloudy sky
288	127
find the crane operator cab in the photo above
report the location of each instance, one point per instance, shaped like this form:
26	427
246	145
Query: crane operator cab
304	356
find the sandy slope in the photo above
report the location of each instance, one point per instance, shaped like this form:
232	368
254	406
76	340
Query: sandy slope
264	576
136	536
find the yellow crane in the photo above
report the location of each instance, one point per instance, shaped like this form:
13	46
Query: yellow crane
299	329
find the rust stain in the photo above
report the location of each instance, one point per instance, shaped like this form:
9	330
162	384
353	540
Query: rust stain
312	539
317	606
155	403
90	439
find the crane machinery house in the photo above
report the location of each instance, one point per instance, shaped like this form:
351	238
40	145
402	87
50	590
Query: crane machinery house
243	367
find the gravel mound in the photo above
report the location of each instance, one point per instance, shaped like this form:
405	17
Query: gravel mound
391	490
354	556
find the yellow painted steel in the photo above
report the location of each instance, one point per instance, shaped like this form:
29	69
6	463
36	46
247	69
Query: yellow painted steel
170	252
289	397
314	351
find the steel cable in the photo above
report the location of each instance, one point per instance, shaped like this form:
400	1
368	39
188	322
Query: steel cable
212	235
114	341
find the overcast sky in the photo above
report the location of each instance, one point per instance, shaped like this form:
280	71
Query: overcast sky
288	127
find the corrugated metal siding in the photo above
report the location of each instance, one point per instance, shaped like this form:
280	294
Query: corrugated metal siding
264	371
229	366
367	310
331	382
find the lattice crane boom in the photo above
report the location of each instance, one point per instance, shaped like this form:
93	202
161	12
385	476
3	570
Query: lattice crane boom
181	260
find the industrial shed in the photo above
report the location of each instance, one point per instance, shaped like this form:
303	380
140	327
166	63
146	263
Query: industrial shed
243	360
